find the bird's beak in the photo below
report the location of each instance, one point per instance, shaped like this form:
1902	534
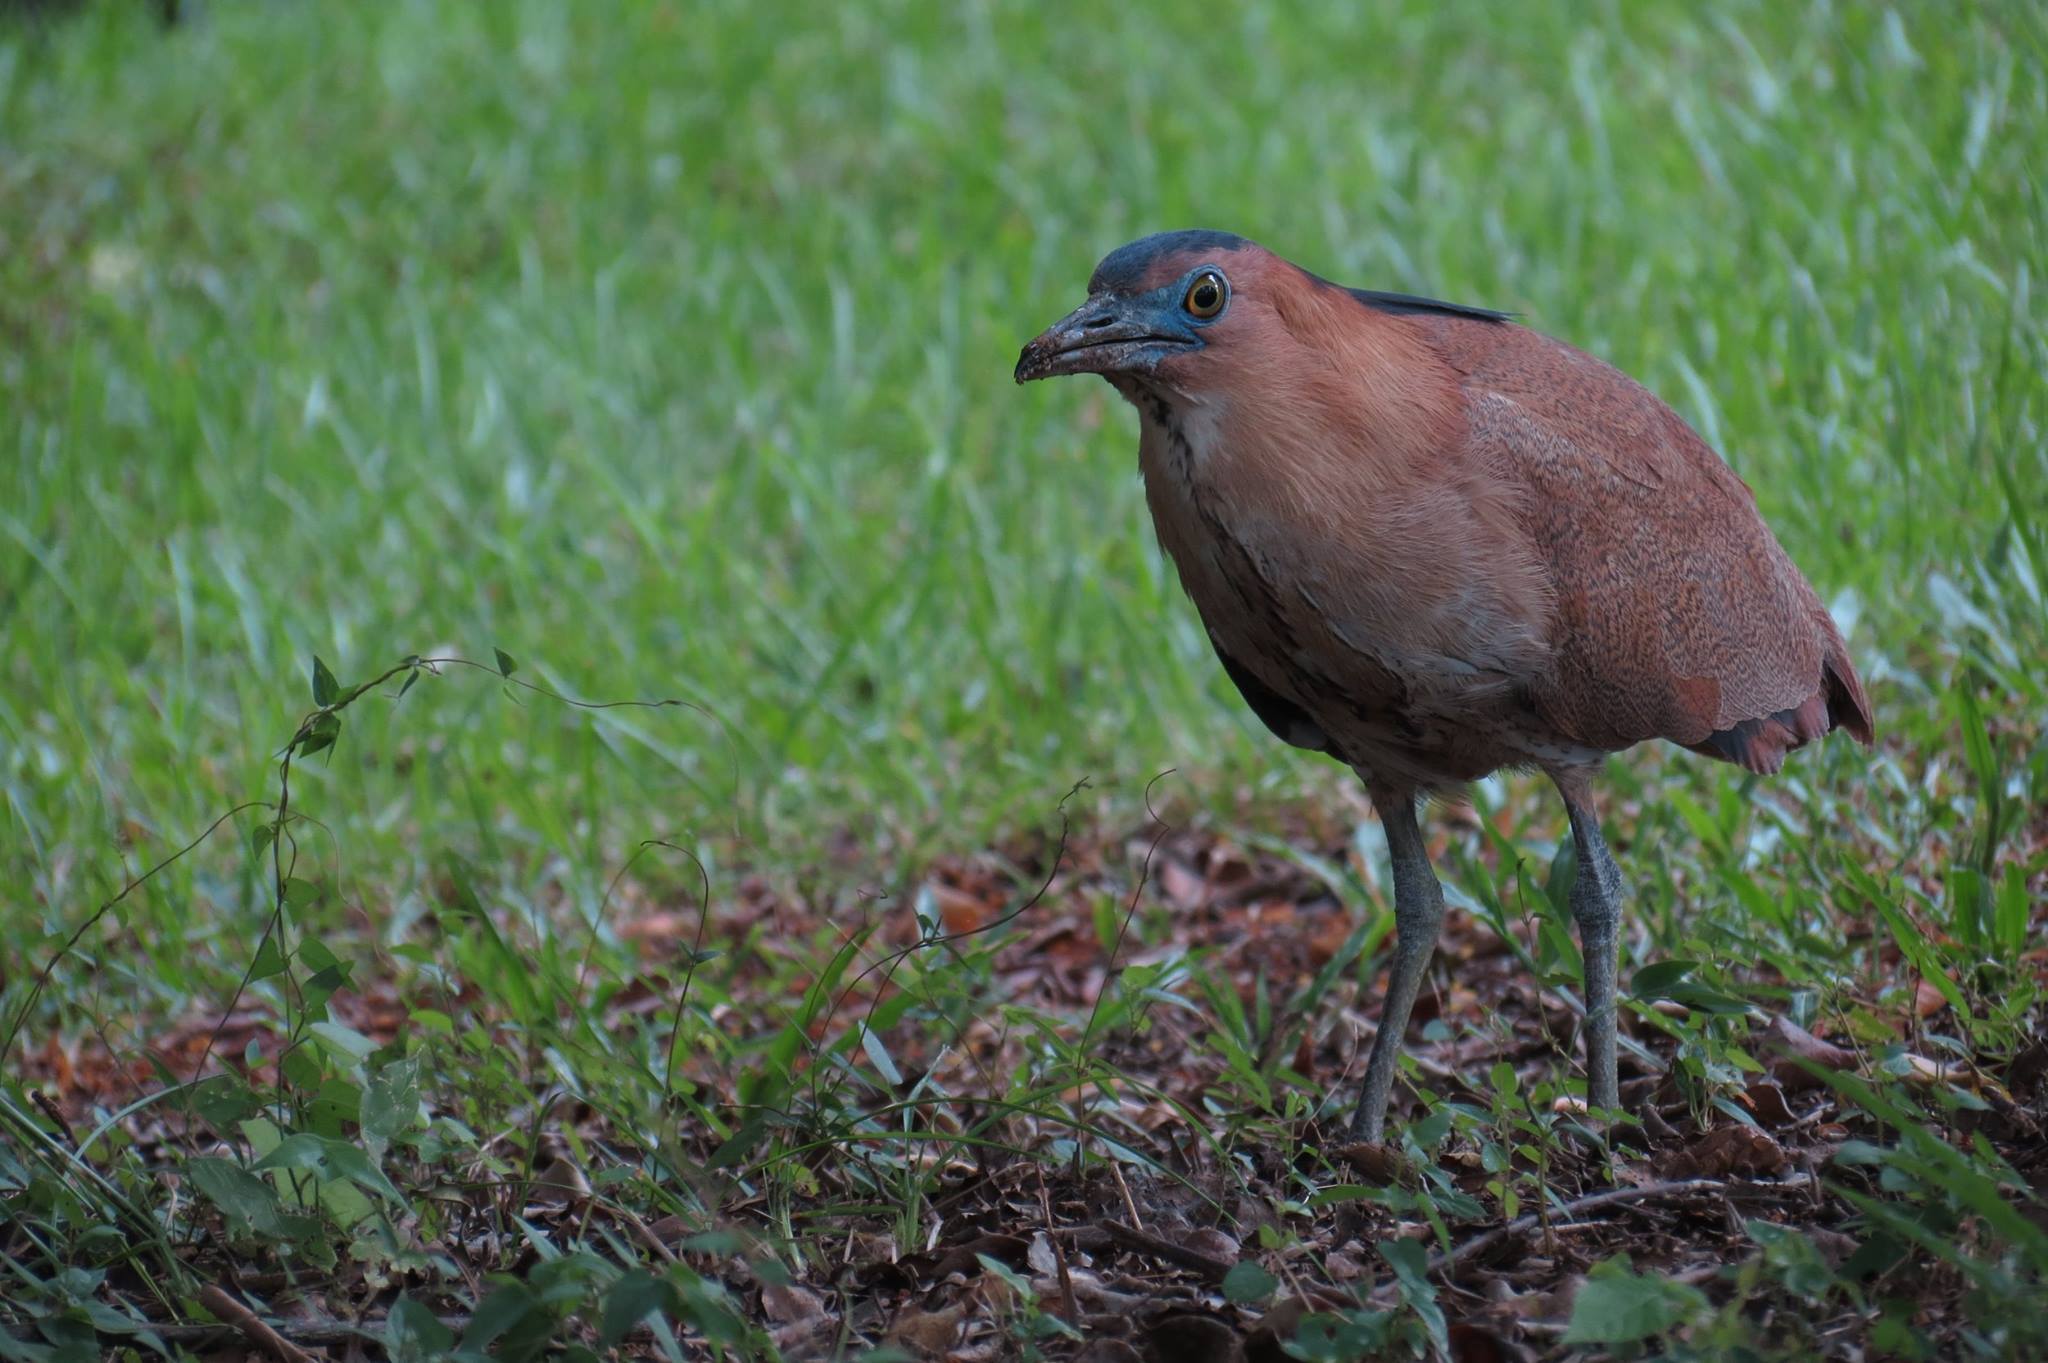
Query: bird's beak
1107	335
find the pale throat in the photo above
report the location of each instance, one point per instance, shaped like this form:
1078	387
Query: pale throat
1190	426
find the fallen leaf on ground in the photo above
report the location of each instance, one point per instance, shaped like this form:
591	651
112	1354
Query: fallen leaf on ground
1012	1250
1795	1043
1928	998
787	1302
1265	1343
928	1332
1476	1344
1375	1162
1108	1351
1212	1242
1767	1101
1183	1337
1732	1149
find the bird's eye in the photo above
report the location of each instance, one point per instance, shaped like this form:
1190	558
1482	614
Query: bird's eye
1205	295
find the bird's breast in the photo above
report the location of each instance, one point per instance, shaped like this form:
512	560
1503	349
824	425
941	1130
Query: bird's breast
1330	588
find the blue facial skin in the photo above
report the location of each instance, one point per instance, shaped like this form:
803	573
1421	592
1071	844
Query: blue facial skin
1116	332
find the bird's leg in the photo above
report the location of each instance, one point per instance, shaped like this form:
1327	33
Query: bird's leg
1418	911
1596	904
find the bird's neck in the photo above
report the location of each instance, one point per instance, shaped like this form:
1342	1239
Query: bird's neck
1189	433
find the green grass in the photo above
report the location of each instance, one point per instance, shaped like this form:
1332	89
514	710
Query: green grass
668	350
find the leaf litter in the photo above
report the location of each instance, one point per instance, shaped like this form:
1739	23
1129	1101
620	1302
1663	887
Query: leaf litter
1098	1129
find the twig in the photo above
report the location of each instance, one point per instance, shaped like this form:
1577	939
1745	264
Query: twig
252	1326
55	1114
1130	1203
43	976
1521	1225
1206	1265
646	1234
1072	1313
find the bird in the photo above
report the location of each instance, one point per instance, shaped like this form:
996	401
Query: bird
1434	543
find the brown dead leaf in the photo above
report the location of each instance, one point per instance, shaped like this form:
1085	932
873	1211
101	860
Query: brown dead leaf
1185	1337
789	1302
1265	1343
1767	1101
1471	1343
1345	1266
1375	1162
1185	889
2027	1068
930	1333
1040	1255
805	1341
1927	999
960	910
1734	1149
1212	1242
659	931
560	1182
1012	1250
1091	1291
1794	1042
1926	1073
1108	1351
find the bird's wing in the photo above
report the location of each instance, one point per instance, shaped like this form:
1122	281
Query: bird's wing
1285	718
1678	615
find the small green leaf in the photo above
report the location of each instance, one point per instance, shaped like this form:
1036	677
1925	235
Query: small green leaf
329	1160
1653	979
269	961
325	688
506	664
1247	1282
223	1100
716	1242
413	1334
1429	1133
1564	872
1618	1305
301	1067
878	1055
391	1104
633	1298
1702	999
1410	1263
248	1201
346	1041
320	734
1016	1281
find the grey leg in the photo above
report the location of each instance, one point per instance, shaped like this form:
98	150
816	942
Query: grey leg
1596	904
1418	912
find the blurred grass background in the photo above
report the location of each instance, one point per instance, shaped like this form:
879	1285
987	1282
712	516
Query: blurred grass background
668	348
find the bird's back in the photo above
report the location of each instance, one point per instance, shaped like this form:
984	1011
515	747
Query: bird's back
1678	615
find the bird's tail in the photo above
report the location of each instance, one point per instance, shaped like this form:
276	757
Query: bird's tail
1838	702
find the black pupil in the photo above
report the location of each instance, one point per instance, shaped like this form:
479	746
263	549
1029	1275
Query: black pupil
1205	294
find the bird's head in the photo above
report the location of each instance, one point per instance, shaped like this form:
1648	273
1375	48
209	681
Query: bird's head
1165	308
